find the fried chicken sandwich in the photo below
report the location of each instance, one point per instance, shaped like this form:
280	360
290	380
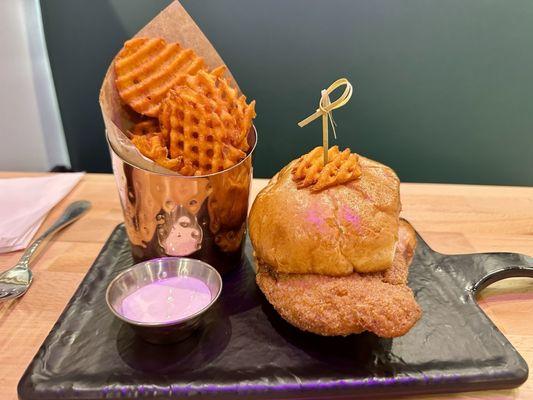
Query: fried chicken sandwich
332	254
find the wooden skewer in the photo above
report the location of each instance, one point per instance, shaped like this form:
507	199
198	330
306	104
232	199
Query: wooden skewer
325	107
325	133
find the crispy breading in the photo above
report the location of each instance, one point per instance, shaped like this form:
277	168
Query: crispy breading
379	302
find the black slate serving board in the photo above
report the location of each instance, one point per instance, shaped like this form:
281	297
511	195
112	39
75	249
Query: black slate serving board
245	350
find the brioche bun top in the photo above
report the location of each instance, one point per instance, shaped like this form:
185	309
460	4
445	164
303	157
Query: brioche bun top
351	227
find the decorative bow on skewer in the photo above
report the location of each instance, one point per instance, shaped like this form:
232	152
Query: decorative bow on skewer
325	108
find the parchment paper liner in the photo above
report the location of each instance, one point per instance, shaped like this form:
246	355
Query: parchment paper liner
173	24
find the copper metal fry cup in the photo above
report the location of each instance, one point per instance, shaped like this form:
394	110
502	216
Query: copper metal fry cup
166	214
202	217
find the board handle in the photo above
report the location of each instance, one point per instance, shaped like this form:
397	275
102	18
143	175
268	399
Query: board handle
493	267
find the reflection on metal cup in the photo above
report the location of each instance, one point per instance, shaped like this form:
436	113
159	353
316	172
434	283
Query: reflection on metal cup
202	217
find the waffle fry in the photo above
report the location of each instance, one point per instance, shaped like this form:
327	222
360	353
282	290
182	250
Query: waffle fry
153	146
341	169
147	68
145	127
202	126
310	171
195	129
235	114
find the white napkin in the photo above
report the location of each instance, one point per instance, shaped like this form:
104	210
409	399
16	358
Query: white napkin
24	203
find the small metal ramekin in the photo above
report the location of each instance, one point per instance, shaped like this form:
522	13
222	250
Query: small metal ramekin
150	271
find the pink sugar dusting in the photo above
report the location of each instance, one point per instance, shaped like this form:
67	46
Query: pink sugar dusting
351	217
312	216
316	219
166	300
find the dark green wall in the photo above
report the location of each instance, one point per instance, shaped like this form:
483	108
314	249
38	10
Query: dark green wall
82	38
443	88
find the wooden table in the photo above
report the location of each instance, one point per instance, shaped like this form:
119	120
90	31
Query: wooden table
451	218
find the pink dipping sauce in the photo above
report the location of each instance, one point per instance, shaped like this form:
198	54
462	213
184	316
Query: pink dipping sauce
166	300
